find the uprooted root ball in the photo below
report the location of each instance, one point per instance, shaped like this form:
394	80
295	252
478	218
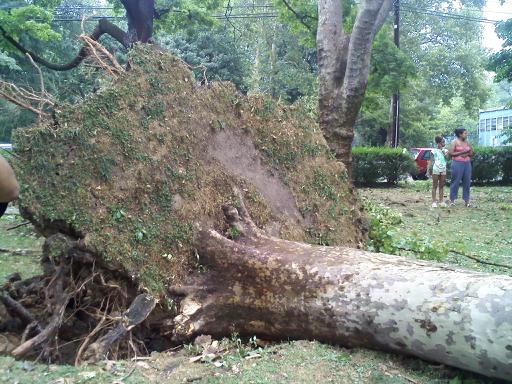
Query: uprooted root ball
125	176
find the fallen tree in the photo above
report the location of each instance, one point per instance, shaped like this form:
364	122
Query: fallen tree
127	188
263	285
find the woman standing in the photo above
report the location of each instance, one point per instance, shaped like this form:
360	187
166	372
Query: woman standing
460	152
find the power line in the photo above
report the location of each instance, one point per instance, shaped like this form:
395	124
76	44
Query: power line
432	12
263	11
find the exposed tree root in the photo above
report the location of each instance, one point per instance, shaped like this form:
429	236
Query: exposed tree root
76	311
138	312
47	334
20	311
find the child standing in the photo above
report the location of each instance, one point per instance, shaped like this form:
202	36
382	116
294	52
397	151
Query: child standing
437	168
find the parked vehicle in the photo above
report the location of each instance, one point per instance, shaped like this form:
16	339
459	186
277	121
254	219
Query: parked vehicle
421	157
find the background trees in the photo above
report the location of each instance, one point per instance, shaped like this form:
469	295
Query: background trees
269	47
501	62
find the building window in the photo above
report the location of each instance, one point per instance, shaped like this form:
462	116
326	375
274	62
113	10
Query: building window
493	124
482	125
499	126
488	124
506	121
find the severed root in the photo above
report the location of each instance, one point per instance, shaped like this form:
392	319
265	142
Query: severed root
239	218
20	311
139	310
47	333
58	298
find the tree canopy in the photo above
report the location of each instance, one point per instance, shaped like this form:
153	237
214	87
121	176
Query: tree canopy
271	49
501	62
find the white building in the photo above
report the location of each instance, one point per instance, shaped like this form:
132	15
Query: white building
490	126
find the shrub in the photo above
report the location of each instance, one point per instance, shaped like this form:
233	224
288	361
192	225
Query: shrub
506	164
492	164
382	220
486	164
373	164
384	235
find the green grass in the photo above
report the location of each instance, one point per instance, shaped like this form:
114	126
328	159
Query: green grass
484	231
21	372
313	362
21	247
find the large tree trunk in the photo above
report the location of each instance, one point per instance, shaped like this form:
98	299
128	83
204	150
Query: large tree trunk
275	288
343	66
140	14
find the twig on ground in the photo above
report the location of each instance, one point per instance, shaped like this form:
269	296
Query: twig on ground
127	375
10	153
17	251
478	260
19	225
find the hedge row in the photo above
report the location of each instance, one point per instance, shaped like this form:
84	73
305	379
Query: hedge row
380	164
492	164
374	164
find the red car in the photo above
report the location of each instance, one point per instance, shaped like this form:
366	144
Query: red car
421	156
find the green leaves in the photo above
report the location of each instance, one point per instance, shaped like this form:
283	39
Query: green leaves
373	163
7	61
501	62
382	222
385	236
301	16
31	20
186	15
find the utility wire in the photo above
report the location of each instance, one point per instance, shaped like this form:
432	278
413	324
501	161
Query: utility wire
460	16
263	11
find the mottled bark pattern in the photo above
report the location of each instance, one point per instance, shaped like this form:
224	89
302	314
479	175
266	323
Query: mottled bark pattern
343	64
259	285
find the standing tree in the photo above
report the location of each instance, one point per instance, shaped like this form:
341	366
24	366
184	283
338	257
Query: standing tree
343	68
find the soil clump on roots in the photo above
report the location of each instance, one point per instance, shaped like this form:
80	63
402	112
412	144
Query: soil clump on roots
118	183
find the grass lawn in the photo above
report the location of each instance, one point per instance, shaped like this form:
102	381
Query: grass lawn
19	247
484	232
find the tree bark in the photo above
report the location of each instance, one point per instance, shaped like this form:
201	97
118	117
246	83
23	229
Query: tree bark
140	14
343	65
260	285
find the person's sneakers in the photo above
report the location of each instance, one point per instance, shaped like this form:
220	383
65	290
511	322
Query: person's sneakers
434	204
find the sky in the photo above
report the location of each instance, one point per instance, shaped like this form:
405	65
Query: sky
493	10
